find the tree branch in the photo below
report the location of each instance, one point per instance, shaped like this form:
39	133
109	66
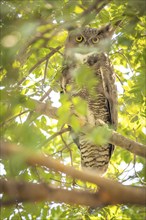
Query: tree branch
46	109
124	142
113	192
116	138
20	191
128	144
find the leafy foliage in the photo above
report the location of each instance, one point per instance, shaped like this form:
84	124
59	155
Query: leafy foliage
32	38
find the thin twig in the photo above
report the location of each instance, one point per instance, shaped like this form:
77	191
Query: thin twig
55	135
45	73
45	95
14	117
47	57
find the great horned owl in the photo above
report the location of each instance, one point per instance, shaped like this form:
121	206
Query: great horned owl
88	46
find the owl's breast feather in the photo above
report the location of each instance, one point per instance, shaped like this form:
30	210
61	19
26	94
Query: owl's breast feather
83	58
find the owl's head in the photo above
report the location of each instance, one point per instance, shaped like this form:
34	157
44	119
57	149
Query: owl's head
86	40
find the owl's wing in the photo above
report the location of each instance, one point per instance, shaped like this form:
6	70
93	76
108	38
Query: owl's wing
110	91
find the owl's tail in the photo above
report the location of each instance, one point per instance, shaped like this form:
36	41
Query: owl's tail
95	157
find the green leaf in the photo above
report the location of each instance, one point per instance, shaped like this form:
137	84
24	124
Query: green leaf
99	135
84	74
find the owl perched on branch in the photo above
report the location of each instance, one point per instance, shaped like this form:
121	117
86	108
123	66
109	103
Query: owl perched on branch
86	53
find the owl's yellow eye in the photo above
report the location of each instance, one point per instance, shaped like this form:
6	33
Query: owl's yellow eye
95	40
79	38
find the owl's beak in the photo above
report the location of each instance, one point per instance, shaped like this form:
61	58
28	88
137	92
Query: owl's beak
86	43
